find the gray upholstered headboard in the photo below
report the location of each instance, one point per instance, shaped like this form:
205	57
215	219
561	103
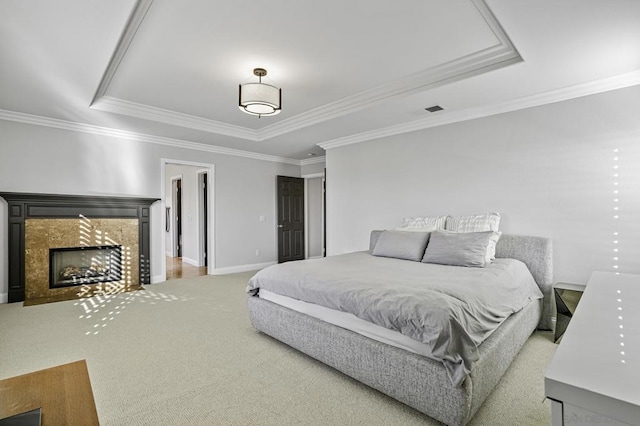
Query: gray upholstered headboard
536	253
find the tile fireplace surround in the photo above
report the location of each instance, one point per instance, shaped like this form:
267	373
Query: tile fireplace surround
40	235
40	222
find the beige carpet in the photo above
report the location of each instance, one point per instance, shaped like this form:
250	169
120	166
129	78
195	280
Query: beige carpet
184	352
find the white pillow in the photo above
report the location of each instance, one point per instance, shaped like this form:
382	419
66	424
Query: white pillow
424	222
426	229
478	223
474	223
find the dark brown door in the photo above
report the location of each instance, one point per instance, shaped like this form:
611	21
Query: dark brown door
324	214
290	219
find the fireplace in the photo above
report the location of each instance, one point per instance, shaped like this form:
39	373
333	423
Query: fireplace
105	232
73	266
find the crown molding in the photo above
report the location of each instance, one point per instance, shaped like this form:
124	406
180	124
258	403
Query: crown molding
140	137
501	54
558	95
313	160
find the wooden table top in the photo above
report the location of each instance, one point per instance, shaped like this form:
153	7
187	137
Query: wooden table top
64	393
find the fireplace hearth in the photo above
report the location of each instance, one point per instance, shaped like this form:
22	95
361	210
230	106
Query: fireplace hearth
109	235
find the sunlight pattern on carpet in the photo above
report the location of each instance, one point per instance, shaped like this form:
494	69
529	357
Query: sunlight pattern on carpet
93	305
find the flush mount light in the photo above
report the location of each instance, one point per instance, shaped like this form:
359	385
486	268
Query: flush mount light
260	98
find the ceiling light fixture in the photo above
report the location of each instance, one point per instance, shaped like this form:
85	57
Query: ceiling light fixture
260	98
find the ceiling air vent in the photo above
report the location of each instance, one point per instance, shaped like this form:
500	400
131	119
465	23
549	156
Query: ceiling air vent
434	108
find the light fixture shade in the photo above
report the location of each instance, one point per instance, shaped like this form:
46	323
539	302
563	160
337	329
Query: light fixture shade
260	99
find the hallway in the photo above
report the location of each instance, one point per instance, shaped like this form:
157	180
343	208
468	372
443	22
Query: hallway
176	268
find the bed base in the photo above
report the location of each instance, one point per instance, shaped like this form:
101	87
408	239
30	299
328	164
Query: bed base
413	379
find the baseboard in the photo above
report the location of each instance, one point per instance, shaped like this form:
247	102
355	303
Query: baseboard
190	261
315	257
158	279
169	254
241	268
4	297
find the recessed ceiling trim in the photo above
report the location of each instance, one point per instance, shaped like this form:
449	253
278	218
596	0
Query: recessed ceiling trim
492	23
146	112
500	55
37	120
558	95
480	62
135	19
497	56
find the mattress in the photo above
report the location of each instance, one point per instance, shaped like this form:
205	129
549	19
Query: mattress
350	322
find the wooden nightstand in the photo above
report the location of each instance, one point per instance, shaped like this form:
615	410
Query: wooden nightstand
567	297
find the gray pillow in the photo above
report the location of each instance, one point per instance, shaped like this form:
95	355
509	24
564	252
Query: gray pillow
401	245
373	239
458	248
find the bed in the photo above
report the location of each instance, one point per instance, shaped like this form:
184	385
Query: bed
447	389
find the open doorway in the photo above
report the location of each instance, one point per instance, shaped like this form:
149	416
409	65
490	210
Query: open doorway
203	214
176	216
188	199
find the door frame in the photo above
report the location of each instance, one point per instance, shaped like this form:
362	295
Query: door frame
210	168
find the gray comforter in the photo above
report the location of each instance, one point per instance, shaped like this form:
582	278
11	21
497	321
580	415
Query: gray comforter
451	309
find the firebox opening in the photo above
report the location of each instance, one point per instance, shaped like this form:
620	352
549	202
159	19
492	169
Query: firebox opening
72	266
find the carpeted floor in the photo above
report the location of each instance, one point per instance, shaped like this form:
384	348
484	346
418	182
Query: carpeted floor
184	352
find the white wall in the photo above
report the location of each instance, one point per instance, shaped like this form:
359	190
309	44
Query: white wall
314	217
314	166
47	160
171	171
550	171
313	171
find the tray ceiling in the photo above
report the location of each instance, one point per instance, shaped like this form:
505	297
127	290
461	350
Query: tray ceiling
349	71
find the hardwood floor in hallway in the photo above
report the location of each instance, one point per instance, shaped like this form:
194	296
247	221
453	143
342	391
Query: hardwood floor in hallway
176	268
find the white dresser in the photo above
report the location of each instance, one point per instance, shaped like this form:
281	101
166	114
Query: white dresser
594	377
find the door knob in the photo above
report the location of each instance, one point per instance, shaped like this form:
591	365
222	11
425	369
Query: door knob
280	226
